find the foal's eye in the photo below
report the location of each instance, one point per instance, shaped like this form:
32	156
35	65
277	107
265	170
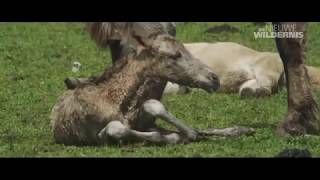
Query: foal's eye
171	62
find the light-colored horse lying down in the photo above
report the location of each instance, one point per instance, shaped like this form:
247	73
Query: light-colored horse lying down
242	70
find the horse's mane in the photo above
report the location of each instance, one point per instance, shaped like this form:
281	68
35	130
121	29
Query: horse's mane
100	32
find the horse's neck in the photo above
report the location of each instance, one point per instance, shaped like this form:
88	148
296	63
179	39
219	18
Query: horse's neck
123	81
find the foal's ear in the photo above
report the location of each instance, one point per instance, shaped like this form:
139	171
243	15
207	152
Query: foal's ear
166	45
144	33
162	44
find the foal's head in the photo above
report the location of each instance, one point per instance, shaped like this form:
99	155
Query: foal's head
169	59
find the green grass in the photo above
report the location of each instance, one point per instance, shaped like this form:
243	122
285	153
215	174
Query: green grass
36	57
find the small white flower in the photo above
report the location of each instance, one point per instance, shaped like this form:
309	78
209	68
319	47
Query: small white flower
76	66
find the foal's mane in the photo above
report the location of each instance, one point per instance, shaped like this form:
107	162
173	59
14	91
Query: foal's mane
118	65
115	68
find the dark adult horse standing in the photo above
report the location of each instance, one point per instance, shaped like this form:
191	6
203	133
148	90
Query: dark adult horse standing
303	116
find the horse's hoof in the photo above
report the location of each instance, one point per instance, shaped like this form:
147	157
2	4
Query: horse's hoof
247	92
262	92
290	129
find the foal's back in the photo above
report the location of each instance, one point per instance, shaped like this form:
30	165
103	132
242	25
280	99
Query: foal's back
80	114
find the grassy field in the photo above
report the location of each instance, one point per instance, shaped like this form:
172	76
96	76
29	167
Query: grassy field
36	57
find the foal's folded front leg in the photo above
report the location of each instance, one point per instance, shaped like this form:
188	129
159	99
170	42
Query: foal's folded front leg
155	108
151	108
115	130
157	137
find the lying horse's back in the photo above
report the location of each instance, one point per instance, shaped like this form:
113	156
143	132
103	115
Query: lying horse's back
239	67
236	64
314	74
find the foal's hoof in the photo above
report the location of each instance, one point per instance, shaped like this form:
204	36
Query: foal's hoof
192	136
71	83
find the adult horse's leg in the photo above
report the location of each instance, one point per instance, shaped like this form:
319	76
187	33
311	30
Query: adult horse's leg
303	116
116	50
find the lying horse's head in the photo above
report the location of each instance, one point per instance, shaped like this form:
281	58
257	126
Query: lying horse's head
170	59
